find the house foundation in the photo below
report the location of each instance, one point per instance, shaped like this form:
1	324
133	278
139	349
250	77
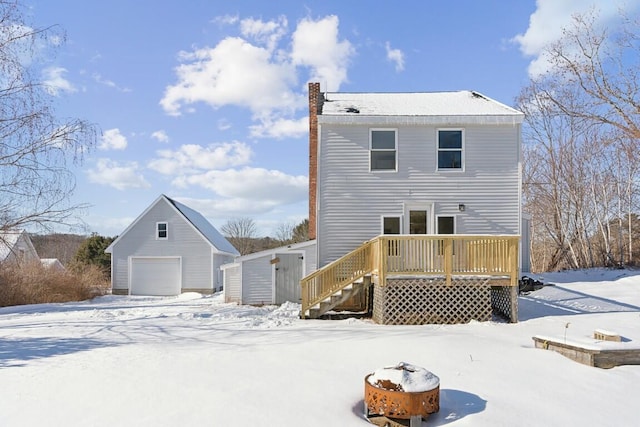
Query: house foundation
419	301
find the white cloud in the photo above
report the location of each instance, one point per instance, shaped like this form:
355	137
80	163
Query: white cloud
193	158
316	45
98	78
120	176
260	70
396	56
281	128
160	136
234	72
269	33
54	81
250	190
224	124
112	139
552	16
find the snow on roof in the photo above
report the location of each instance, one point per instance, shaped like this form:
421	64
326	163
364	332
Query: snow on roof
461	103
208	231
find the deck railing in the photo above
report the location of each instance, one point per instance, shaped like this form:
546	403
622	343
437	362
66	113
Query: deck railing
444	256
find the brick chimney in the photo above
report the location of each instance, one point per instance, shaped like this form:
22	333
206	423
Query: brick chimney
315	107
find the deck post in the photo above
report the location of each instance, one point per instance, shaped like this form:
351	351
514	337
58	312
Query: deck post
513	261
448	259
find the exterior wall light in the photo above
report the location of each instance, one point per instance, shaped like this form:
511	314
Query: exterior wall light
461	207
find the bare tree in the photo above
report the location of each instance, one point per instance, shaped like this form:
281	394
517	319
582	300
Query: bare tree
241	232
36	147
581	168
284	232
604	64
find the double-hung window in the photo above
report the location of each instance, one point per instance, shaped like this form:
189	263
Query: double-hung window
383	148
450	149
162	230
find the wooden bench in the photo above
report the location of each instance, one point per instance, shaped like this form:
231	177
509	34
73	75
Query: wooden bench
602	335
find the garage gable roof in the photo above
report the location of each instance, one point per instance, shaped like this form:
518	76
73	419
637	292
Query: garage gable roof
195	219
204	227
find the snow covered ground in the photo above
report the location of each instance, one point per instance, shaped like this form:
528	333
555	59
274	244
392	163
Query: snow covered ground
195	361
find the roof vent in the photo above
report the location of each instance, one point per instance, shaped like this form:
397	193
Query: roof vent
478	95
352	110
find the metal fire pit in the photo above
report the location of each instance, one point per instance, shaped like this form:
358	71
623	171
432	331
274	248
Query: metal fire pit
386	398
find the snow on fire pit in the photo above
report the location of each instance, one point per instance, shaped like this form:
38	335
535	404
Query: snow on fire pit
402	391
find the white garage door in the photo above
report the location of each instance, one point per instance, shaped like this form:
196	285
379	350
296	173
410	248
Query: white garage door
155	276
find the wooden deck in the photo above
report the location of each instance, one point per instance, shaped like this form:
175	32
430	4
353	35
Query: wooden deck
446	257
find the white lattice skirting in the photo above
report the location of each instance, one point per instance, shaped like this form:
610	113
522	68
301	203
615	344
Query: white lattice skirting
419	301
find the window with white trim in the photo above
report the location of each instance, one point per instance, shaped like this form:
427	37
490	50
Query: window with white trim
162	231
383	149
391	225
446	224
450	149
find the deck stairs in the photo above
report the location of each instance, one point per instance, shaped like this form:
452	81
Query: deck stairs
338	298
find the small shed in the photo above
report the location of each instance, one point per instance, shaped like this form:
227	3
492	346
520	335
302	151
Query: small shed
271	276
169	249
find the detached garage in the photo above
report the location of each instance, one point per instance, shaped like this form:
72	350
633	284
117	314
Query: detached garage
167	250
271	276
155	275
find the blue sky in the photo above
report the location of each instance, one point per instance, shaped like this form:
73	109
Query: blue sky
205	101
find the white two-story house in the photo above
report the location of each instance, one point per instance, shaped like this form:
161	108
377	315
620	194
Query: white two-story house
404	171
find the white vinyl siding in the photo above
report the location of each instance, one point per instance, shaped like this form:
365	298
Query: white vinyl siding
233	283
351	200
257	281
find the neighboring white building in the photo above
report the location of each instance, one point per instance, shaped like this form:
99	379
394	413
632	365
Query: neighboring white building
169	249
16	247
271	276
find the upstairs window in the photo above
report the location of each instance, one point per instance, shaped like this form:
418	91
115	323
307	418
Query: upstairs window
162	231
383	150
450	149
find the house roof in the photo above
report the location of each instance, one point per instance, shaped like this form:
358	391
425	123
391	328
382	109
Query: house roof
8	241
465	105
272	251
202	226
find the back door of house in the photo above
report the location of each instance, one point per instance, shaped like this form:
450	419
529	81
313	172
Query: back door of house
289	270
416	252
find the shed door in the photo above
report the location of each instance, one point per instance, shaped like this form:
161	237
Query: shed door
155	276
289	271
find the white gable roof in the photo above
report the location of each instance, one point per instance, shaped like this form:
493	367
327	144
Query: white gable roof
197	221
419	107
9	240
205	228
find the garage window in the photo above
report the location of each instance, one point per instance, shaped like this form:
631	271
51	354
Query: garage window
162	231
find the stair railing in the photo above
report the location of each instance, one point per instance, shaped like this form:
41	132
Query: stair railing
336	275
